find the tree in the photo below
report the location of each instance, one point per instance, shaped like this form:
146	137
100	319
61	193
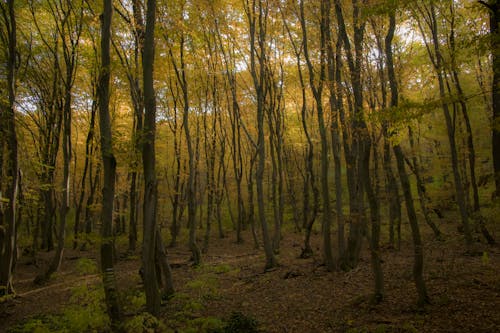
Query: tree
316	85
149	160
45	91
309	214
180	72
494	14
418	264
434	51
334	64
358	151
8	151
257	13
68	17
131	63
109	165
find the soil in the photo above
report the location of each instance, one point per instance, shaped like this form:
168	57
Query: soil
299	295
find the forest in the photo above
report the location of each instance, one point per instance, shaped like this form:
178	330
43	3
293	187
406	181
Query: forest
227	166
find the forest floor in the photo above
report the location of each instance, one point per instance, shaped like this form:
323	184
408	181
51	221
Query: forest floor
298	296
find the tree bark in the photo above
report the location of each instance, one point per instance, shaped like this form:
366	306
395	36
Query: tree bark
450	127
257	17
335	99
418	264
69	20
360	136
148	160
317	90
309	214
7	121
421	187
88	144
109	165
494	14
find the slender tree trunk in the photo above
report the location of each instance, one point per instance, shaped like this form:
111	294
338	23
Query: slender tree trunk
148	159
418	264
494	12
391	186
251	202
63	212
257	16
436	57
376	260
393	191
360	136
335	104
89	220
421	187
132	216
69	18
317	89
459	188
191	185
162	258
178	195
109	165
309	213
88	143
7	121
210	139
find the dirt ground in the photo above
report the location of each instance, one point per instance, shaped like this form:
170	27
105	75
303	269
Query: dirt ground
299	295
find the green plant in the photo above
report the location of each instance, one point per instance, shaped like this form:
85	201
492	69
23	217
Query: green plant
146	323
205	286
485	258
135	302
33	325
204	325
241	323
86	266
381	328
86	313
193	306
357	330
222	268
409	328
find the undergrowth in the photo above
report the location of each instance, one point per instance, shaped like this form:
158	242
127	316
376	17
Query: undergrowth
87	310
86	313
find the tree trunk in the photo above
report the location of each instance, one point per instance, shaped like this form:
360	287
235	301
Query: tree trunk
258	56
88	143
69	19
436	57
317	90
418	264
251	202
109	165
162	258
7	121
309	214
355	154
494	10
376	260
334	64
421	187
132	216
148	159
